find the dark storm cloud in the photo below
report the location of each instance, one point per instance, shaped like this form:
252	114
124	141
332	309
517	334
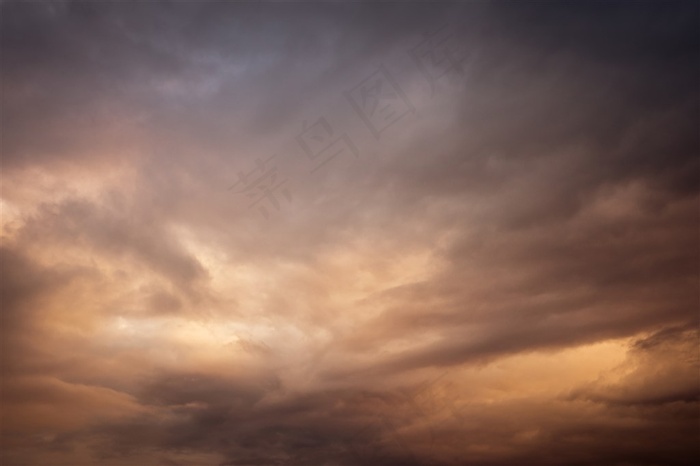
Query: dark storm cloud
73	68
538	100
354	427
299	429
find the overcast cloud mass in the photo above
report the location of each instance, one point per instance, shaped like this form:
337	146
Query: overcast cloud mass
350	234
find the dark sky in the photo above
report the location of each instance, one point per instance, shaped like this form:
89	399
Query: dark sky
350	234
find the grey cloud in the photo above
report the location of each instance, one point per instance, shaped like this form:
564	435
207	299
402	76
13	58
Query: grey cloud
122	231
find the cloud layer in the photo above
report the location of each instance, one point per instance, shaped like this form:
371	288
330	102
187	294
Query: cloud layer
350	234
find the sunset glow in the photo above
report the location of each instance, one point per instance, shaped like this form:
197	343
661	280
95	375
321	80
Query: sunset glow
350	233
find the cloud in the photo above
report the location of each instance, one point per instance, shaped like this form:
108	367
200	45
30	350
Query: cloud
506	275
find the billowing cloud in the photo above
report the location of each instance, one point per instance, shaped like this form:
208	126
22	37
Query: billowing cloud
350	234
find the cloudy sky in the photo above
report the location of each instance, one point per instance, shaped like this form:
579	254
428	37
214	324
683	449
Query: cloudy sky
350	234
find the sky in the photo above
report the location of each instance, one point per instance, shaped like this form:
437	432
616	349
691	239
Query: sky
350	233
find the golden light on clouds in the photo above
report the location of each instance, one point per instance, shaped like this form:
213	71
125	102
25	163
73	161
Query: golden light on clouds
349	234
